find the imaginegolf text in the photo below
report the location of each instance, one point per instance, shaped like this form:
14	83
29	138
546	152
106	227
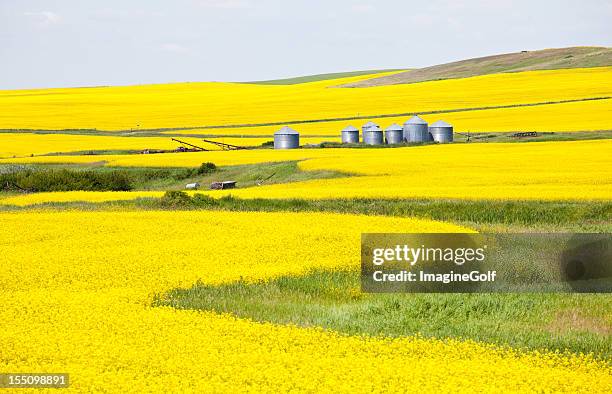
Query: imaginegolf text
406	276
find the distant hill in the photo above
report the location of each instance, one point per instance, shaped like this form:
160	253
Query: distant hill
319	77
547	59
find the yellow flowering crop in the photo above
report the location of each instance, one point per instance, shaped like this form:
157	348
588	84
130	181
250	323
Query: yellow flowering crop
576	116
199	104
26	144
85	196
577	170
76	289
188	159
538	171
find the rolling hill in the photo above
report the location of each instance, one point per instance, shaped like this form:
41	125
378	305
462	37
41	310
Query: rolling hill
320	77
546	59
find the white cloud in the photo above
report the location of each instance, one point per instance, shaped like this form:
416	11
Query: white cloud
44	18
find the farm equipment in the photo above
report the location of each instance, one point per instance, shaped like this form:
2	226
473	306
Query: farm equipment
466	135
260	182
224	146
187	147
192	148
525	134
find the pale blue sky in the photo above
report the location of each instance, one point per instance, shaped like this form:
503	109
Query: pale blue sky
55	43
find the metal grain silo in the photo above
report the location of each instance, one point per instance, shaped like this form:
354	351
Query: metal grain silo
286	138
372	134
394	134
350	135
416	130
441	132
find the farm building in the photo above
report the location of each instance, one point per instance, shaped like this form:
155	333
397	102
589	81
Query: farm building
350	135
394	134
416	130
441	132
286	138
372	134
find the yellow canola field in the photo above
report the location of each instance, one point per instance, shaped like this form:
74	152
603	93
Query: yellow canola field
23	200
199	104
188	159
576	170
577	116
73	301
27	144
579	170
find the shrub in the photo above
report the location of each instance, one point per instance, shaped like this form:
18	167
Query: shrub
64	180
207	168
180	199
200	199
175	198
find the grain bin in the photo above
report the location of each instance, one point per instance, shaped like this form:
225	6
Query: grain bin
416	130
394	134
372	134
441	132
350	135
286	138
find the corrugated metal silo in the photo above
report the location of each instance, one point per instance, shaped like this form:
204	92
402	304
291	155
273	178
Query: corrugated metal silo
350	135
372	134
441	132
416	130
286	138
394	134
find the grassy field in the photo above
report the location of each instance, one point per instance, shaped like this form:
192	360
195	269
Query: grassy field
333	300
495	216
167	178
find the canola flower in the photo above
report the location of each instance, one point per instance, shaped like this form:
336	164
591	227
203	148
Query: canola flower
576	170
27	144
189	159
565	117
199	104
76	289
76	196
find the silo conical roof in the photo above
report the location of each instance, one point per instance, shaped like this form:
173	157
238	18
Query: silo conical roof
394	126
416	119
371	126
440	123
286	131
350	128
